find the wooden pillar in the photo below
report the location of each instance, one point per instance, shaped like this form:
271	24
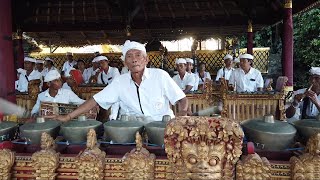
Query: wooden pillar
223	43
18	50
250	38
287	48
7	71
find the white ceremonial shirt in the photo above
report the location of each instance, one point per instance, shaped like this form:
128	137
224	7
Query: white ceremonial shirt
151	98
249	82
206	76
188	79
196	82
311	109
225	73
87	73
67	66
124	70
22	85
104	78
46	70
63	96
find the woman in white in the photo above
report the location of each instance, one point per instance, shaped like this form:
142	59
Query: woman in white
203	74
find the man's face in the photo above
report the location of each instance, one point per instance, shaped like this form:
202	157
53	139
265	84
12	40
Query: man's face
70	58
136	60
39	66
228	62
315	80
189	66
28	65
181	68
55	84
81	65
202	67
95	65
104	64
245	63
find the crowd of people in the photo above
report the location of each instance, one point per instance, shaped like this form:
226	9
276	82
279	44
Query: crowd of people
139	90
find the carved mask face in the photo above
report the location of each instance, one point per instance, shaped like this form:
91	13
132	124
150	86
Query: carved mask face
203	161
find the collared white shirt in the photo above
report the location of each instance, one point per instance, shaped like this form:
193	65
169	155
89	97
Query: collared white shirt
249	82
188	79
87	73
66	86
67	66
124	70
206	76
196	82
63	96
46	70
311	109
225	73
155	92
22	85
104	78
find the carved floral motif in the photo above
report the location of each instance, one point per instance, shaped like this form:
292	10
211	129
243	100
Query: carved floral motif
139	163
91	162
203	147
6	162
46	161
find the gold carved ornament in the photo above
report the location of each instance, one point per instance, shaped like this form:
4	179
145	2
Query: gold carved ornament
250	26
6	163
139	163
307	166
253	167
46	161
288	4
91	162
203	147
33	88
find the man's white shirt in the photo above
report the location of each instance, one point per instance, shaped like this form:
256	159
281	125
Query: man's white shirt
108	78
246	82
22	84
87	73
311	109
67	66
63	96
206	76
46	70
155	92
188	79
225	73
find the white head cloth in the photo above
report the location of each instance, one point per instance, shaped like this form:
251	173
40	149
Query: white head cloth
52	75
181	61
246	56
228	56
28	59
48	59
100	58
236	60
189	60
39	62
21	71
128	45
315	71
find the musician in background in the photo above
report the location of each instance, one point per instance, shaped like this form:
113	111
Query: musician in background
49	66
226	71
91	74
189	70
246	78
141	92
183	79
203	74
29	74
107	73
307	99
55	93
69	63
39	66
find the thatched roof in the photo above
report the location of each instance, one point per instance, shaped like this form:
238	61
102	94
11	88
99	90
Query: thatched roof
82	22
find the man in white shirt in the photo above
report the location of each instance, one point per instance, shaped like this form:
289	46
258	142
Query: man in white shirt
189	70
226	71
183	79
39	66
307	99
27	75
91	71
108	73
246	78
55	93
141	92
49	66
69	63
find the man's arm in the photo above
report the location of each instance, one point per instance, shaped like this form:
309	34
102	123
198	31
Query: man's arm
183	106
187	89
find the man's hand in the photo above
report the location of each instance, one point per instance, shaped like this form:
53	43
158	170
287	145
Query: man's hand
299	97
63	118
313	96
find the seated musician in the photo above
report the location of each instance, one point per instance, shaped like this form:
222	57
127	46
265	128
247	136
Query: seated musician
107	73
39	66
189	70
308	100
49	66
90	74
226	71
183	79
55	93
70	63
141	92
246	78
203	74
29	74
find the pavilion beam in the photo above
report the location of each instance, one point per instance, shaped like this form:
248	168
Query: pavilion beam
287	48
7	69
